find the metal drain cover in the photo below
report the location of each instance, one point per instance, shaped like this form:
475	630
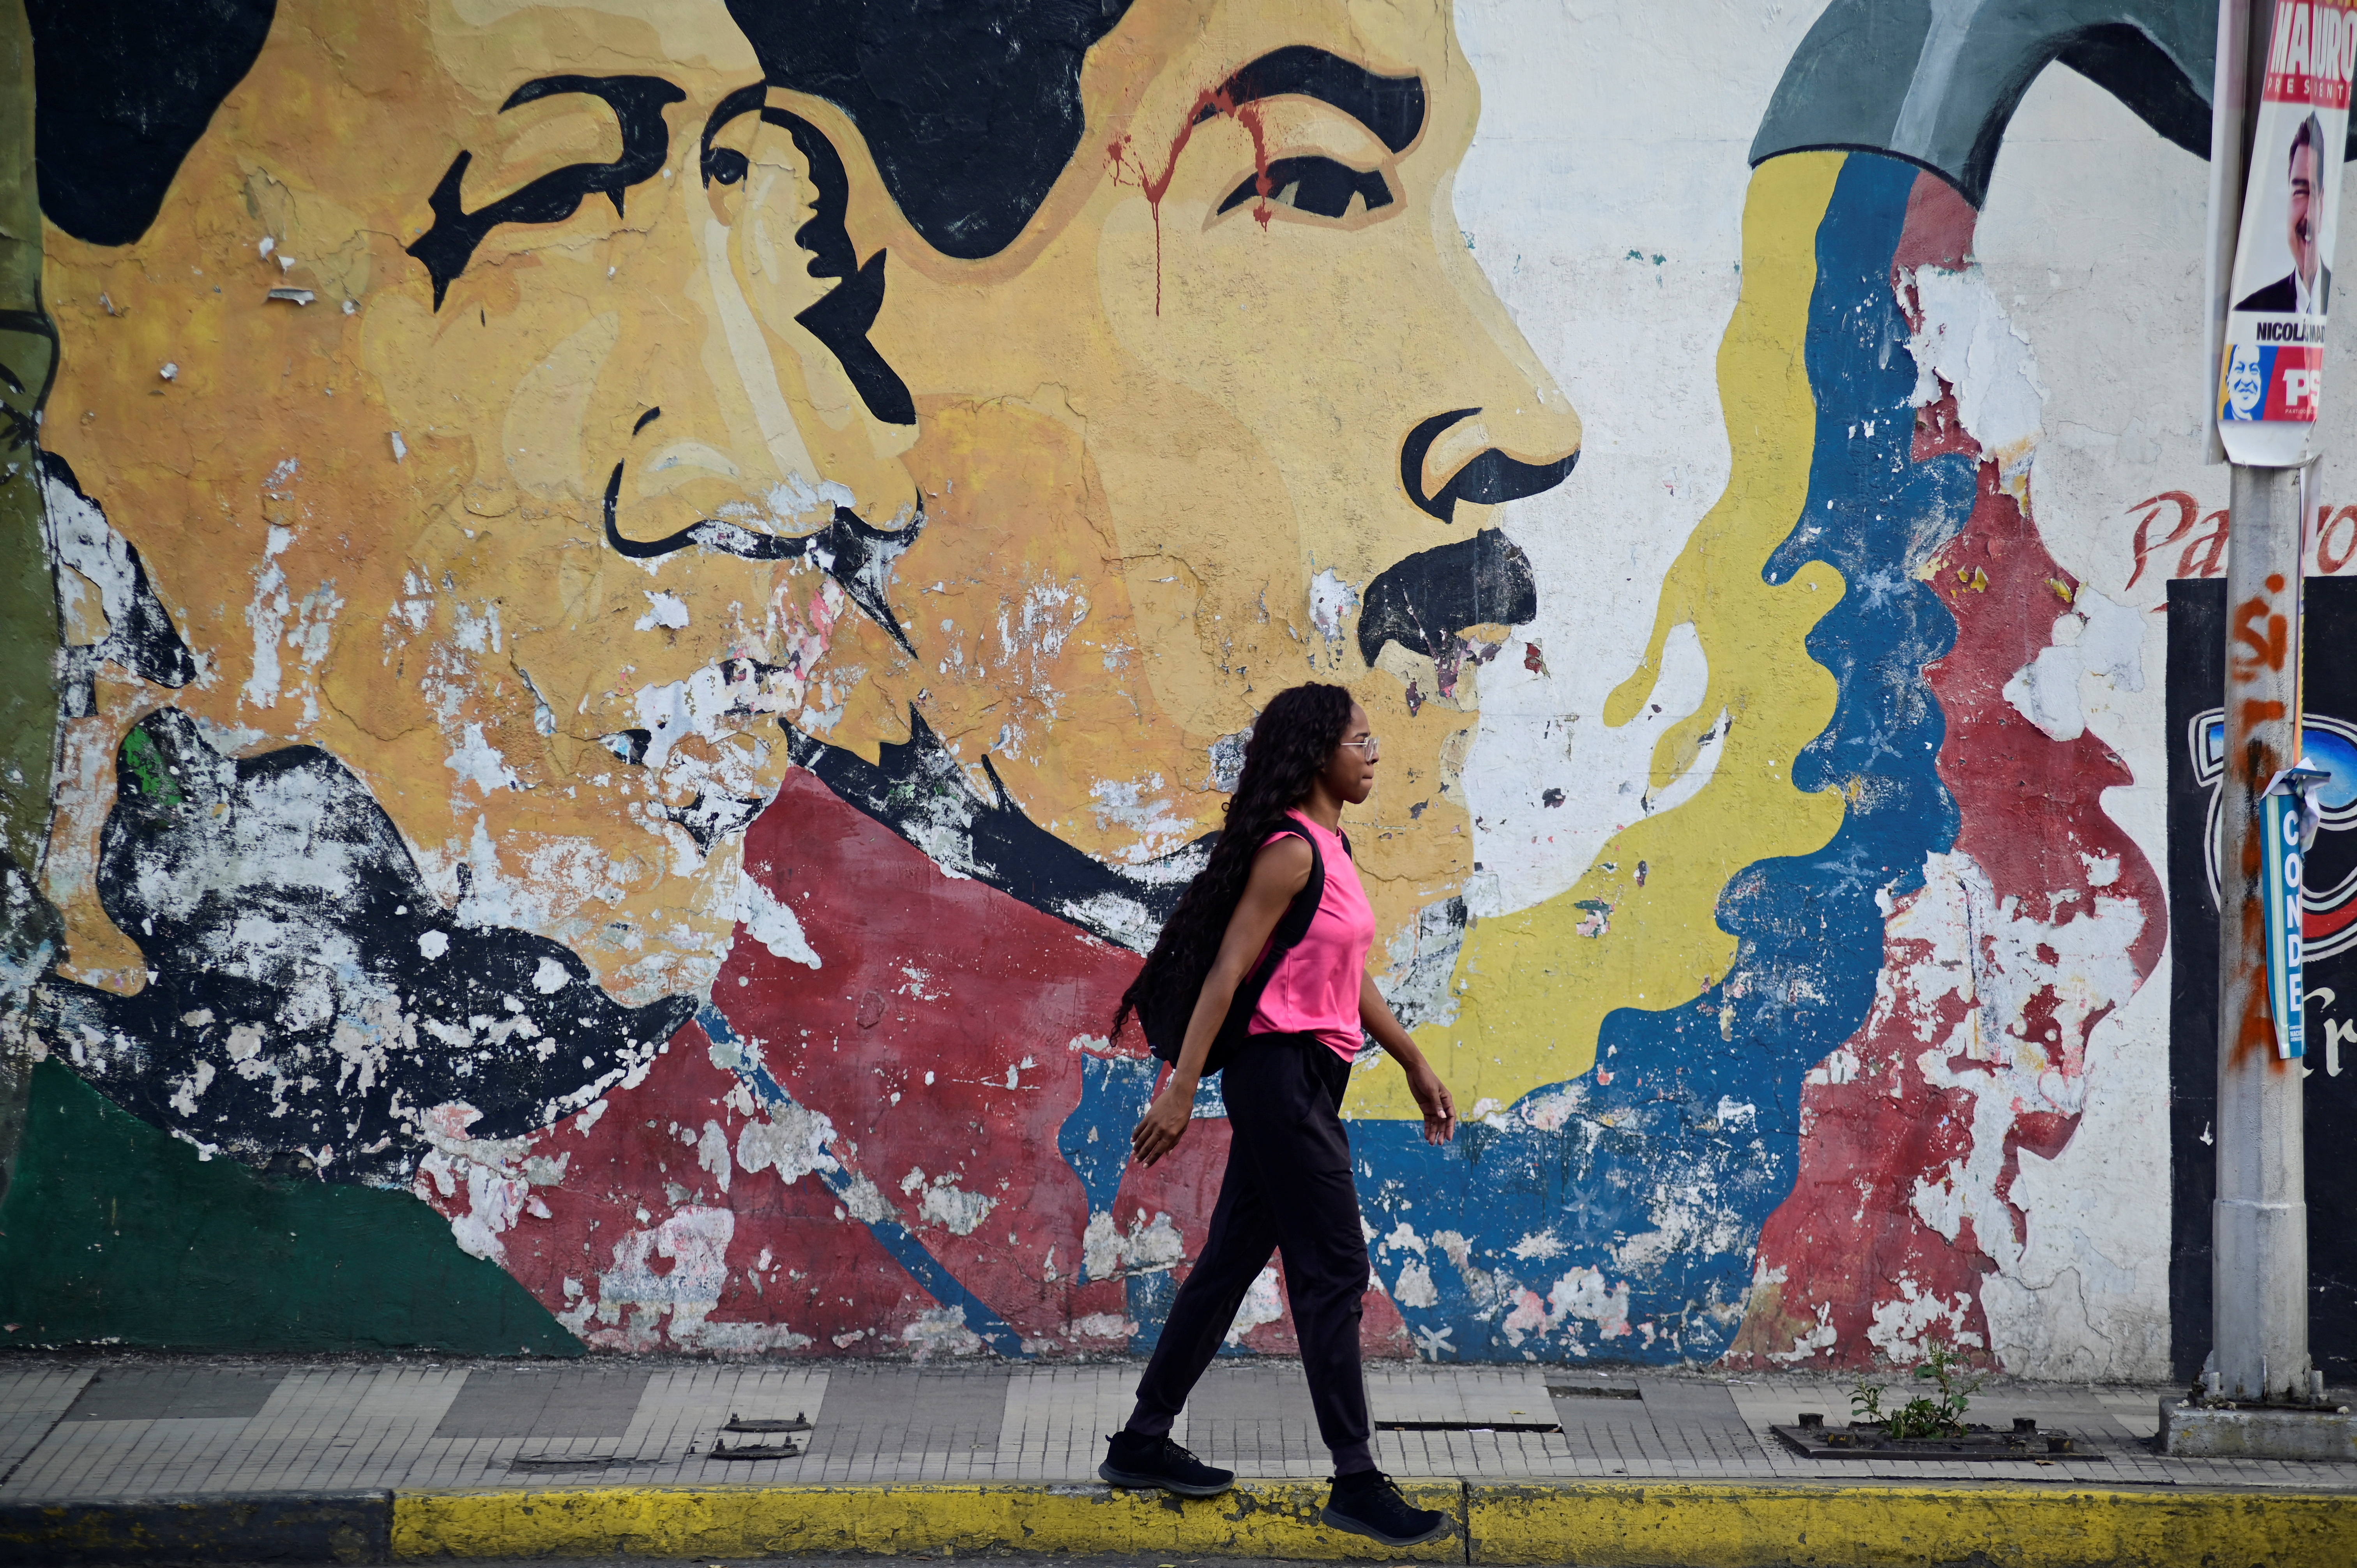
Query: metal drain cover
796	1423
755	1451
547	1462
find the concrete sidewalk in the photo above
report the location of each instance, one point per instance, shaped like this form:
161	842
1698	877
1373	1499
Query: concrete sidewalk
420	1457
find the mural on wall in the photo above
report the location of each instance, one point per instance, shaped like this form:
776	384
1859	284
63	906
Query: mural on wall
657	600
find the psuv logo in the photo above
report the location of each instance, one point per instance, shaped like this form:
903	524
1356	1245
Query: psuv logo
2328	874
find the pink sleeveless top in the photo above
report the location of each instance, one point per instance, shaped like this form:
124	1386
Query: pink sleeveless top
1315	990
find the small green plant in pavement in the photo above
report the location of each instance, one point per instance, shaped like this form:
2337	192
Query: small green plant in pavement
1944	1368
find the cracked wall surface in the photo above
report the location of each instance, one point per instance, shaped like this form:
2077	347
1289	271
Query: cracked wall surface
656	601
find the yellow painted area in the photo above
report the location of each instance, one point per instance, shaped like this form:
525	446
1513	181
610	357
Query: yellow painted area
1534	989
1257	1518
1610	1524
1630	1525
1144	429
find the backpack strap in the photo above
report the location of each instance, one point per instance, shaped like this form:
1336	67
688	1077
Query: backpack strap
1294	923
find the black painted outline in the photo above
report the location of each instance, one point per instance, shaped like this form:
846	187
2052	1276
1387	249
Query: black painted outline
1488	479
842	317
638	103
849	549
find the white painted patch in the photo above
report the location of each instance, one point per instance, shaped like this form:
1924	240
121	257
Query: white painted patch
955	1210
1102	1326
186	1091
1542	737
793	1141
478	762
769	921
940	1331
639	1305
663	610
2096	638
1538	1246
1261	1303
1968	341
1330	602
550	978
1414	1287
1139	807
265	614
433	944
711	1153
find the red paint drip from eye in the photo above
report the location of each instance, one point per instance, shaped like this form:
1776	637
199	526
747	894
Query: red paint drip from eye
1126	163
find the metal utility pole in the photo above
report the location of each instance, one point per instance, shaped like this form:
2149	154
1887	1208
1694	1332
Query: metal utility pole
2259	1220
2275	169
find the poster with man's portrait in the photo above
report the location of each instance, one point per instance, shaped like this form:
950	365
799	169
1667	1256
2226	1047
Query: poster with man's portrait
2271	384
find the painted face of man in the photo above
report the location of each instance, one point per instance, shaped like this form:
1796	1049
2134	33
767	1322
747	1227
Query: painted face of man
1290	400
2301	223
561	260
2246	382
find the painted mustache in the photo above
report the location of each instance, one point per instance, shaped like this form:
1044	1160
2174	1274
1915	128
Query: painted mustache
1424	600
849	549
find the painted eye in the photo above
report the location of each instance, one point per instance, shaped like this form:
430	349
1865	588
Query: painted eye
1317	186
724	166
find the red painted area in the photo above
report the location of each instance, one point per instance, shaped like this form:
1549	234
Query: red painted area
943	1033
1128	167
1853	1265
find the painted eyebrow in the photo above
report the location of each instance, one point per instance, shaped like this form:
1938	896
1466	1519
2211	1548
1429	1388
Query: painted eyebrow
638	103
1391	106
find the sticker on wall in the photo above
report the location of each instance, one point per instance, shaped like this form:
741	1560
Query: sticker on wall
2271	378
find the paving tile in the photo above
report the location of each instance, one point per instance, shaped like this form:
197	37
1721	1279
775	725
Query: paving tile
556	1401
32	1398
157	1393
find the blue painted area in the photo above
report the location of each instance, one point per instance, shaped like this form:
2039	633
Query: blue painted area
1114	1093
895	1238
1617	1215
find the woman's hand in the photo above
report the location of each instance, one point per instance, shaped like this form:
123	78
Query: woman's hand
1432	1097
1165	1123
1376	1017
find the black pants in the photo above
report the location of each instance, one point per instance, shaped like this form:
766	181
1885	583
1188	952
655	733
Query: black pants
1288	1188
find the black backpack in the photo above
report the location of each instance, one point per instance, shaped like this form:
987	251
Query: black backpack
1165	1022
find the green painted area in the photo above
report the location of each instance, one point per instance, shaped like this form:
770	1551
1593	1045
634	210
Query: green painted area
113	1231
147	765
29	599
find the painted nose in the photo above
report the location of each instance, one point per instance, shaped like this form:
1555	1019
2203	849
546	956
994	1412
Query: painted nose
1490	476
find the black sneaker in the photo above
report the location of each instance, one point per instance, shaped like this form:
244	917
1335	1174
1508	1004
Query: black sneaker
1368	1503
1135	1461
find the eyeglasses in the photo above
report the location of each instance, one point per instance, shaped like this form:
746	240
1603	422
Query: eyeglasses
1371	749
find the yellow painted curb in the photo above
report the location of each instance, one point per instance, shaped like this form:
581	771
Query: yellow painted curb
1635	1525
1258	1519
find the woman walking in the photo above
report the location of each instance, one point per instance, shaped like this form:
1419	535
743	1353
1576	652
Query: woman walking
1287	1186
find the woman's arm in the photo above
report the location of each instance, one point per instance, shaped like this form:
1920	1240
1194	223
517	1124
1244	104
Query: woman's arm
1431	1095
1279	871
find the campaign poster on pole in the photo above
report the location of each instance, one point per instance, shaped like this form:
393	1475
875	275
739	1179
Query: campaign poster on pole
2271	379
2279	812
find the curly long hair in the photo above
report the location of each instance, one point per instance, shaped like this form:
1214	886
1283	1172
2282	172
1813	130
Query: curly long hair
1291	742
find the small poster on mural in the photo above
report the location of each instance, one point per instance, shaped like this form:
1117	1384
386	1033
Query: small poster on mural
2271	377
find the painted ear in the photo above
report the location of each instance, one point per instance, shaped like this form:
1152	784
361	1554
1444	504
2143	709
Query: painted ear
841	318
